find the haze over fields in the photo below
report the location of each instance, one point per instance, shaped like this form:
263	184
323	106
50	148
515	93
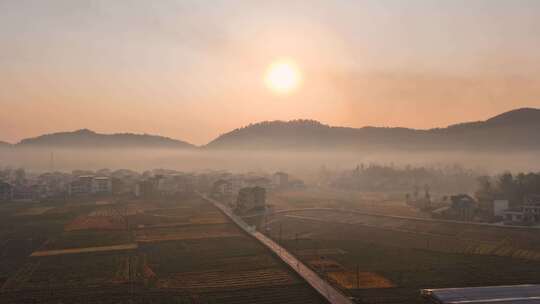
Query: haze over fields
296	145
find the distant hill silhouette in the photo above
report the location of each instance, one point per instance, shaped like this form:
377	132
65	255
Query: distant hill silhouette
85	138
513	130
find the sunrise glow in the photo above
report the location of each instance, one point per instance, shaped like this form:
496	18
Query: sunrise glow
282	77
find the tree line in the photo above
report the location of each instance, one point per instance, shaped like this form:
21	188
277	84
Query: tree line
516	188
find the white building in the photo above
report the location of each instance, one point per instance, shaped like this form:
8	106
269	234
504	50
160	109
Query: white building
280	179
102	185
87	185
499	206
529	213
81	186
513	216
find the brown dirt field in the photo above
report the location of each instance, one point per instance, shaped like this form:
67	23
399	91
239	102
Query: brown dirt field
118	210
212	219
430	235
96	222
319	252
348	280
206	280
148	272
325	264
21	276
187	233
122	273
205	219
34	211
374	202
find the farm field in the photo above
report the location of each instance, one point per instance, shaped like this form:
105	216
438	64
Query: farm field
374	202
424	234
51	272
35	211
187	232
87	238
163	251
381	265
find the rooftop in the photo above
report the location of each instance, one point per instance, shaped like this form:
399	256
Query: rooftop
489	294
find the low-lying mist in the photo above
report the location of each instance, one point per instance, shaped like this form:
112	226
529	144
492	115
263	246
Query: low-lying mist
43	159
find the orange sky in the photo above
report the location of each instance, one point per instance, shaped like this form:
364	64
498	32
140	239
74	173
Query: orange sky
194	69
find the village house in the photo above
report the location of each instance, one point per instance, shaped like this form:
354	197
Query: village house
25	193
102	185
280	179
222	188
81	186
528	213
6	191
250	199
462	208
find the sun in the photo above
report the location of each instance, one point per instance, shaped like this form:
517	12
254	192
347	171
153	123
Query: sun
282	76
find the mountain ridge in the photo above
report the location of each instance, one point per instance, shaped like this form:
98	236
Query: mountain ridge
84	138
515	129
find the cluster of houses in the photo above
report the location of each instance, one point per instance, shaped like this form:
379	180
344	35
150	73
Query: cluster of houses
90	185
52	186
250	199
18	185
246	193
464	207
527	213
229	184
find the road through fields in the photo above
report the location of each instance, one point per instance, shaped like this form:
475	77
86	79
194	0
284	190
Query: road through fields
330	293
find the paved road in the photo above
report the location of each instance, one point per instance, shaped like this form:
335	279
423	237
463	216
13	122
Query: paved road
333	295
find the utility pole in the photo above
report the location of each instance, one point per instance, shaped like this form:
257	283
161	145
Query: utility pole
357	276
280	232
130	276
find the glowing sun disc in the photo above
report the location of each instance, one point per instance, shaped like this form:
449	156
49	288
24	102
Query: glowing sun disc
282	77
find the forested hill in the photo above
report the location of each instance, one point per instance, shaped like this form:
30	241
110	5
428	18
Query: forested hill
513	130
89	139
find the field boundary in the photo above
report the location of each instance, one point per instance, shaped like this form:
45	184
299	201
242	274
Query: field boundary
420	219
42	253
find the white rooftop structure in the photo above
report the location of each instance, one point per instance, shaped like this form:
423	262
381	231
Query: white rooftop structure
520	294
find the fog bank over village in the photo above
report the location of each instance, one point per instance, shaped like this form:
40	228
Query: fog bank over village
296	145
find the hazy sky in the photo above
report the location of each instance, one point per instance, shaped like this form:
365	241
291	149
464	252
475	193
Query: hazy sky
194	69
